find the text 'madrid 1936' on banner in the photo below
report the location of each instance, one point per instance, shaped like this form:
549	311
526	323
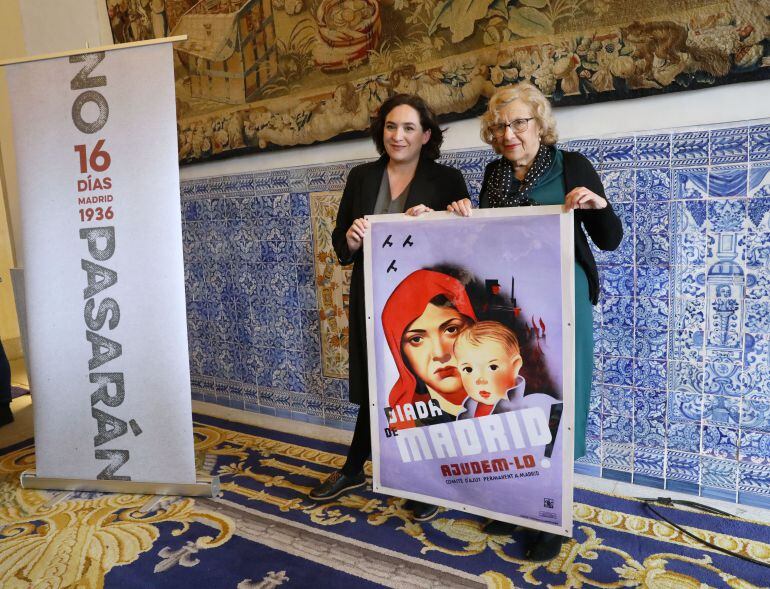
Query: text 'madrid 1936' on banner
471	364
95	141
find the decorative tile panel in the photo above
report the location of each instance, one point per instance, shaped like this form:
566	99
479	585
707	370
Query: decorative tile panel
653	151
728	145
698	314
332	285
681	395
690	149
719	473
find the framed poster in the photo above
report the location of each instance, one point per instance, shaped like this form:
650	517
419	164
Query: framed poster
470	336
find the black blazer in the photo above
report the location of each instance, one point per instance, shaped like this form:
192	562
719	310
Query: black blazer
434	185
602	225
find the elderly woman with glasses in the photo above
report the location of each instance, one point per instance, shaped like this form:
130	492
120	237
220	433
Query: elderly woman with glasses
520	127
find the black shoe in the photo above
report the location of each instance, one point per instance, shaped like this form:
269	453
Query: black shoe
421	512
6	416
498	528
544	547
336	484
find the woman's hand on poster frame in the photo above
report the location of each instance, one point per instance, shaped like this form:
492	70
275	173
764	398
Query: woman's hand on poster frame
418	210
462	207
583	198
355	234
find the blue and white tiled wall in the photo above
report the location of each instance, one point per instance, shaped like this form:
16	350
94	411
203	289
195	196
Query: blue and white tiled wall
681	395
681	398
253	319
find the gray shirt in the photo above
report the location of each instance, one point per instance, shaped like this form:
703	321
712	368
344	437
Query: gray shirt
385	203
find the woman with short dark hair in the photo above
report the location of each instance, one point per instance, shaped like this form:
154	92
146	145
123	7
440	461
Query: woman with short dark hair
428	122
405	179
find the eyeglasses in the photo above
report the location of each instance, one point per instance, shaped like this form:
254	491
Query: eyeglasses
516	125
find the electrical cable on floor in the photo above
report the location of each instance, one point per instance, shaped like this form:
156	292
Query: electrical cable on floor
666	501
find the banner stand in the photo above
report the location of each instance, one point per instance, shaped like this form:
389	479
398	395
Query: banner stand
159	41
204	487
112	399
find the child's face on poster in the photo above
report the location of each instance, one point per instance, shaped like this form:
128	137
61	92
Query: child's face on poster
488	370
428	345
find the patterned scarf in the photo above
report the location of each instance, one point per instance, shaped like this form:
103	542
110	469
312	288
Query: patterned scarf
501	190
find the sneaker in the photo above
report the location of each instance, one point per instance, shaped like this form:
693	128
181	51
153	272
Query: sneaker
421	512
336	484
544	547
6	416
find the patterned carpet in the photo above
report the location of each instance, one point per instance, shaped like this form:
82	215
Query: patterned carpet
263	533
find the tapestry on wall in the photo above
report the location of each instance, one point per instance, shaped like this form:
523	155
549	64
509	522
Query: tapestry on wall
261	74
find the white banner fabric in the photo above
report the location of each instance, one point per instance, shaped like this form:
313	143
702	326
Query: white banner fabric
95	140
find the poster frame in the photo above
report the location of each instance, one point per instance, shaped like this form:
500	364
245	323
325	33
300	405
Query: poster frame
566	235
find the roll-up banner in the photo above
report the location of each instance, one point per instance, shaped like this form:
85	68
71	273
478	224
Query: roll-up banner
95	140
471	367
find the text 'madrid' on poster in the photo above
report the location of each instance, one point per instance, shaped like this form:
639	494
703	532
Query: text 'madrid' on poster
95	141
471	366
